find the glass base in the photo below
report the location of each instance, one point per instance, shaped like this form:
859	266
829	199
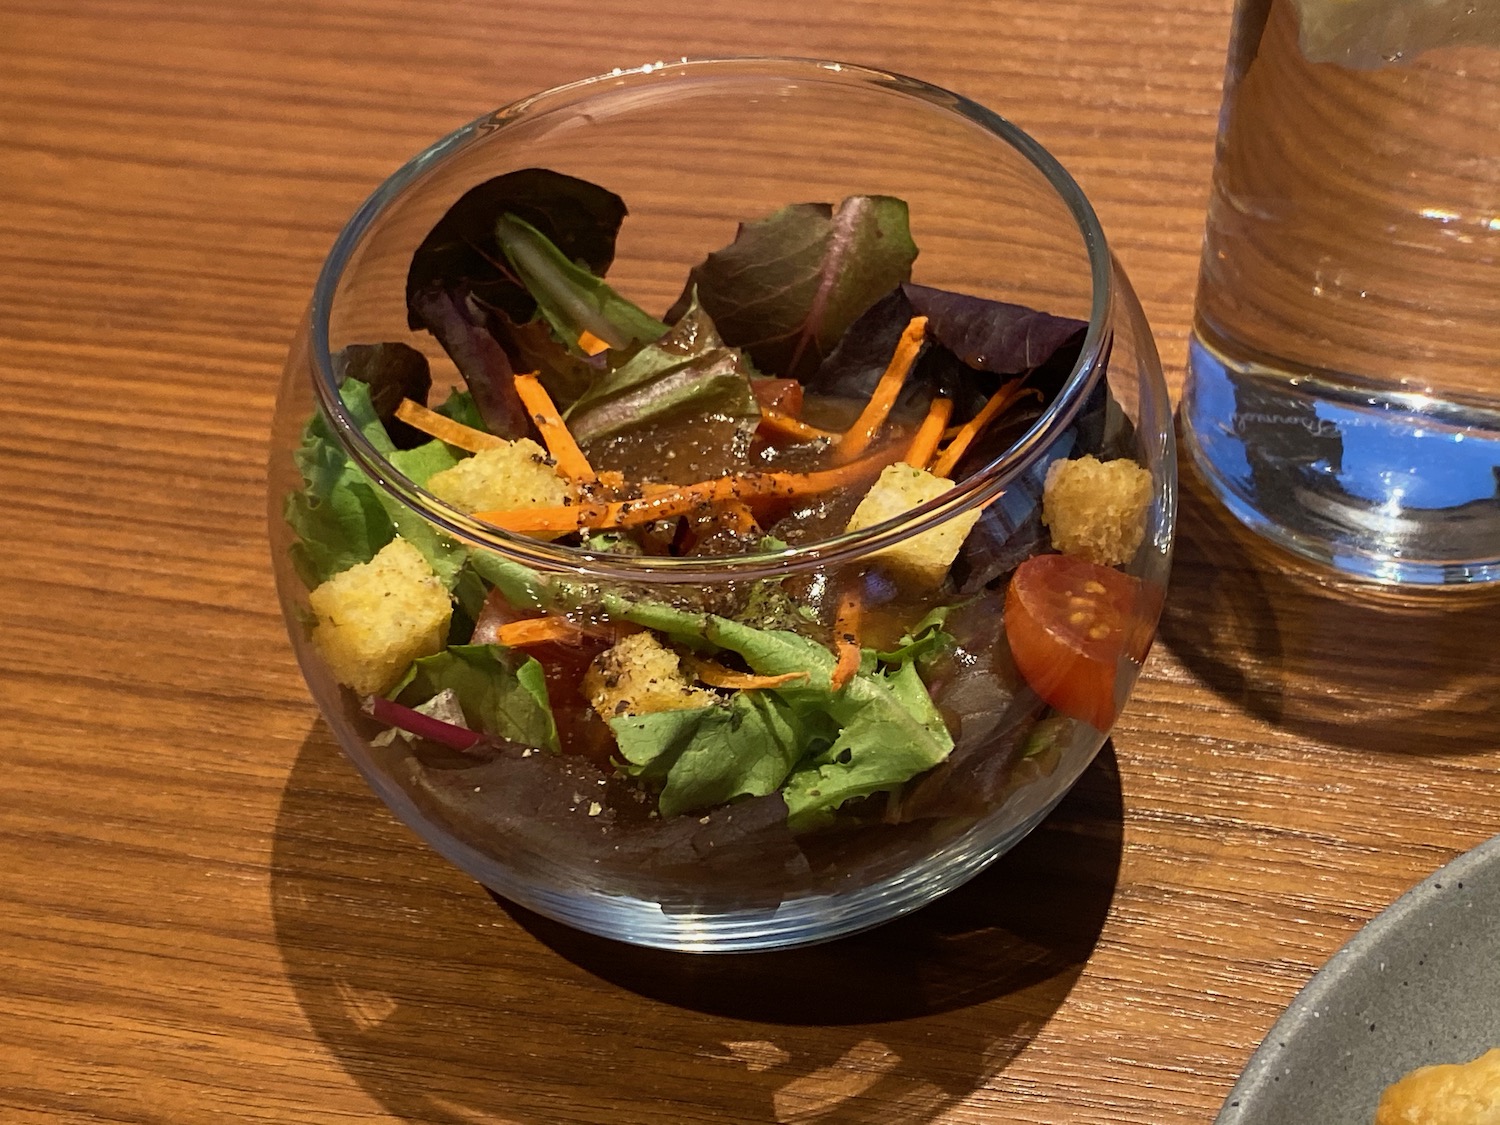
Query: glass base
1387	486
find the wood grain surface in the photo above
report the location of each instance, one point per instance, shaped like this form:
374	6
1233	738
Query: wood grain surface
206	915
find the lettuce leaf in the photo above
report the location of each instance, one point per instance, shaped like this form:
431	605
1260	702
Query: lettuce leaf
689	372
707	756
790	284
392	372
974	345
454	316
768	652
343	526
924	638
462	252
502	692
460	406
340	518
459	288
570	298
891	732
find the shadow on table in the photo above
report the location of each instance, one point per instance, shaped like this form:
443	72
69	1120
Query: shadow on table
1344	663
449	1008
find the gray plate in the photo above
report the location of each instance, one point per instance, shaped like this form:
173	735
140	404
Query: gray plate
1420	984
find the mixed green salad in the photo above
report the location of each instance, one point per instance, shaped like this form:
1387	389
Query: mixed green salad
801	386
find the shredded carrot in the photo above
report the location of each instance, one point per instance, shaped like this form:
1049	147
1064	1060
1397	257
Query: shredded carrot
736	516
857	438
665	501
570	459
440	426
948	458
924	442
716	675
589	344
535	631
784	425
846	637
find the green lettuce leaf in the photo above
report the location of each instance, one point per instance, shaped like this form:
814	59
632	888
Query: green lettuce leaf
790	284
502	692
710	755
340	518
687	373
423	462
768	652
925	639
344	526
521	586
569	297
461	407
891	732
445	556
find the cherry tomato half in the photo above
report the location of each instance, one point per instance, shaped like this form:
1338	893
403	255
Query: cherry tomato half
1068	622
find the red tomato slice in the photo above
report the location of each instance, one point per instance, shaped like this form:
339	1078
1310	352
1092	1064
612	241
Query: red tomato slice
1068	622
784	395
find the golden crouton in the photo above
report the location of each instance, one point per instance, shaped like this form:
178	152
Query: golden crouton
640	676
518	474
1452	1094
923	559
375	618
1097	509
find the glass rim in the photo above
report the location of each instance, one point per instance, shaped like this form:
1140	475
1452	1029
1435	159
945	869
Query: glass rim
974	492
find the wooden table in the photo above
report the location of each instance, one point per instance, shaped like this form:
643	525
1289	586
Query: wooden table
207	917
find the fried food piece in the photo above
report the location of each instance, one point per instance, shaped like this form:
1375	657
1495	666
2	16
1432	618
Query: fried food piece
1450	1094
1097	509
375	618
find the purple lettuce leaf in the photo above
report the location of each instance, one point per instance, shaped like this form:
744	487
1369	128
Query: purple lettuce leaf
461	288
856	364
462	252
393	372
973	346
789	285
462	328
998	337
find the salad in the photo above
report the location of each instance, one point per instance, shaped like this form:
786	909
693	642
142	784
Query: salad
801	387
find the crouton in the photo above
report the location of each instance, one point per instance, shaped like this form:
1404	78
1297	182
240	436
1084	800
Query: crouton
517	474
640	676
375	618
922	559
1097	509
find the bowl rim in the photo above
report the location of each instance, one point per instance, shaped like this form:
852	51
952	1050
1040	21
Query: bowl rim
974	492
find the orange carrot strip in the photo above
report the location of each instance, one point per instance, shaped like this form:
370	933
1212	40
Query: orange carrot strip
948	458
665	501
846	637
589	344
856	438
716	675
924	442
440	426
737	517
570	459
784	425
535	631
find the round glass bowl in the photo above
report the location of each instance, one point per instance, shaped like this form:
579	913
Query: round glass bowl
695	148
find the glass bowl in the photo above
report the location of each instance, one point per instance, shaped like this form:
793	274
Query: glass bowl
845	840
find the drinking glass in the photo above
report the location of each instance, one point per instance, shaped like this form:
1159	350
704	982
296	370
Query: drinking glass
1343	392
